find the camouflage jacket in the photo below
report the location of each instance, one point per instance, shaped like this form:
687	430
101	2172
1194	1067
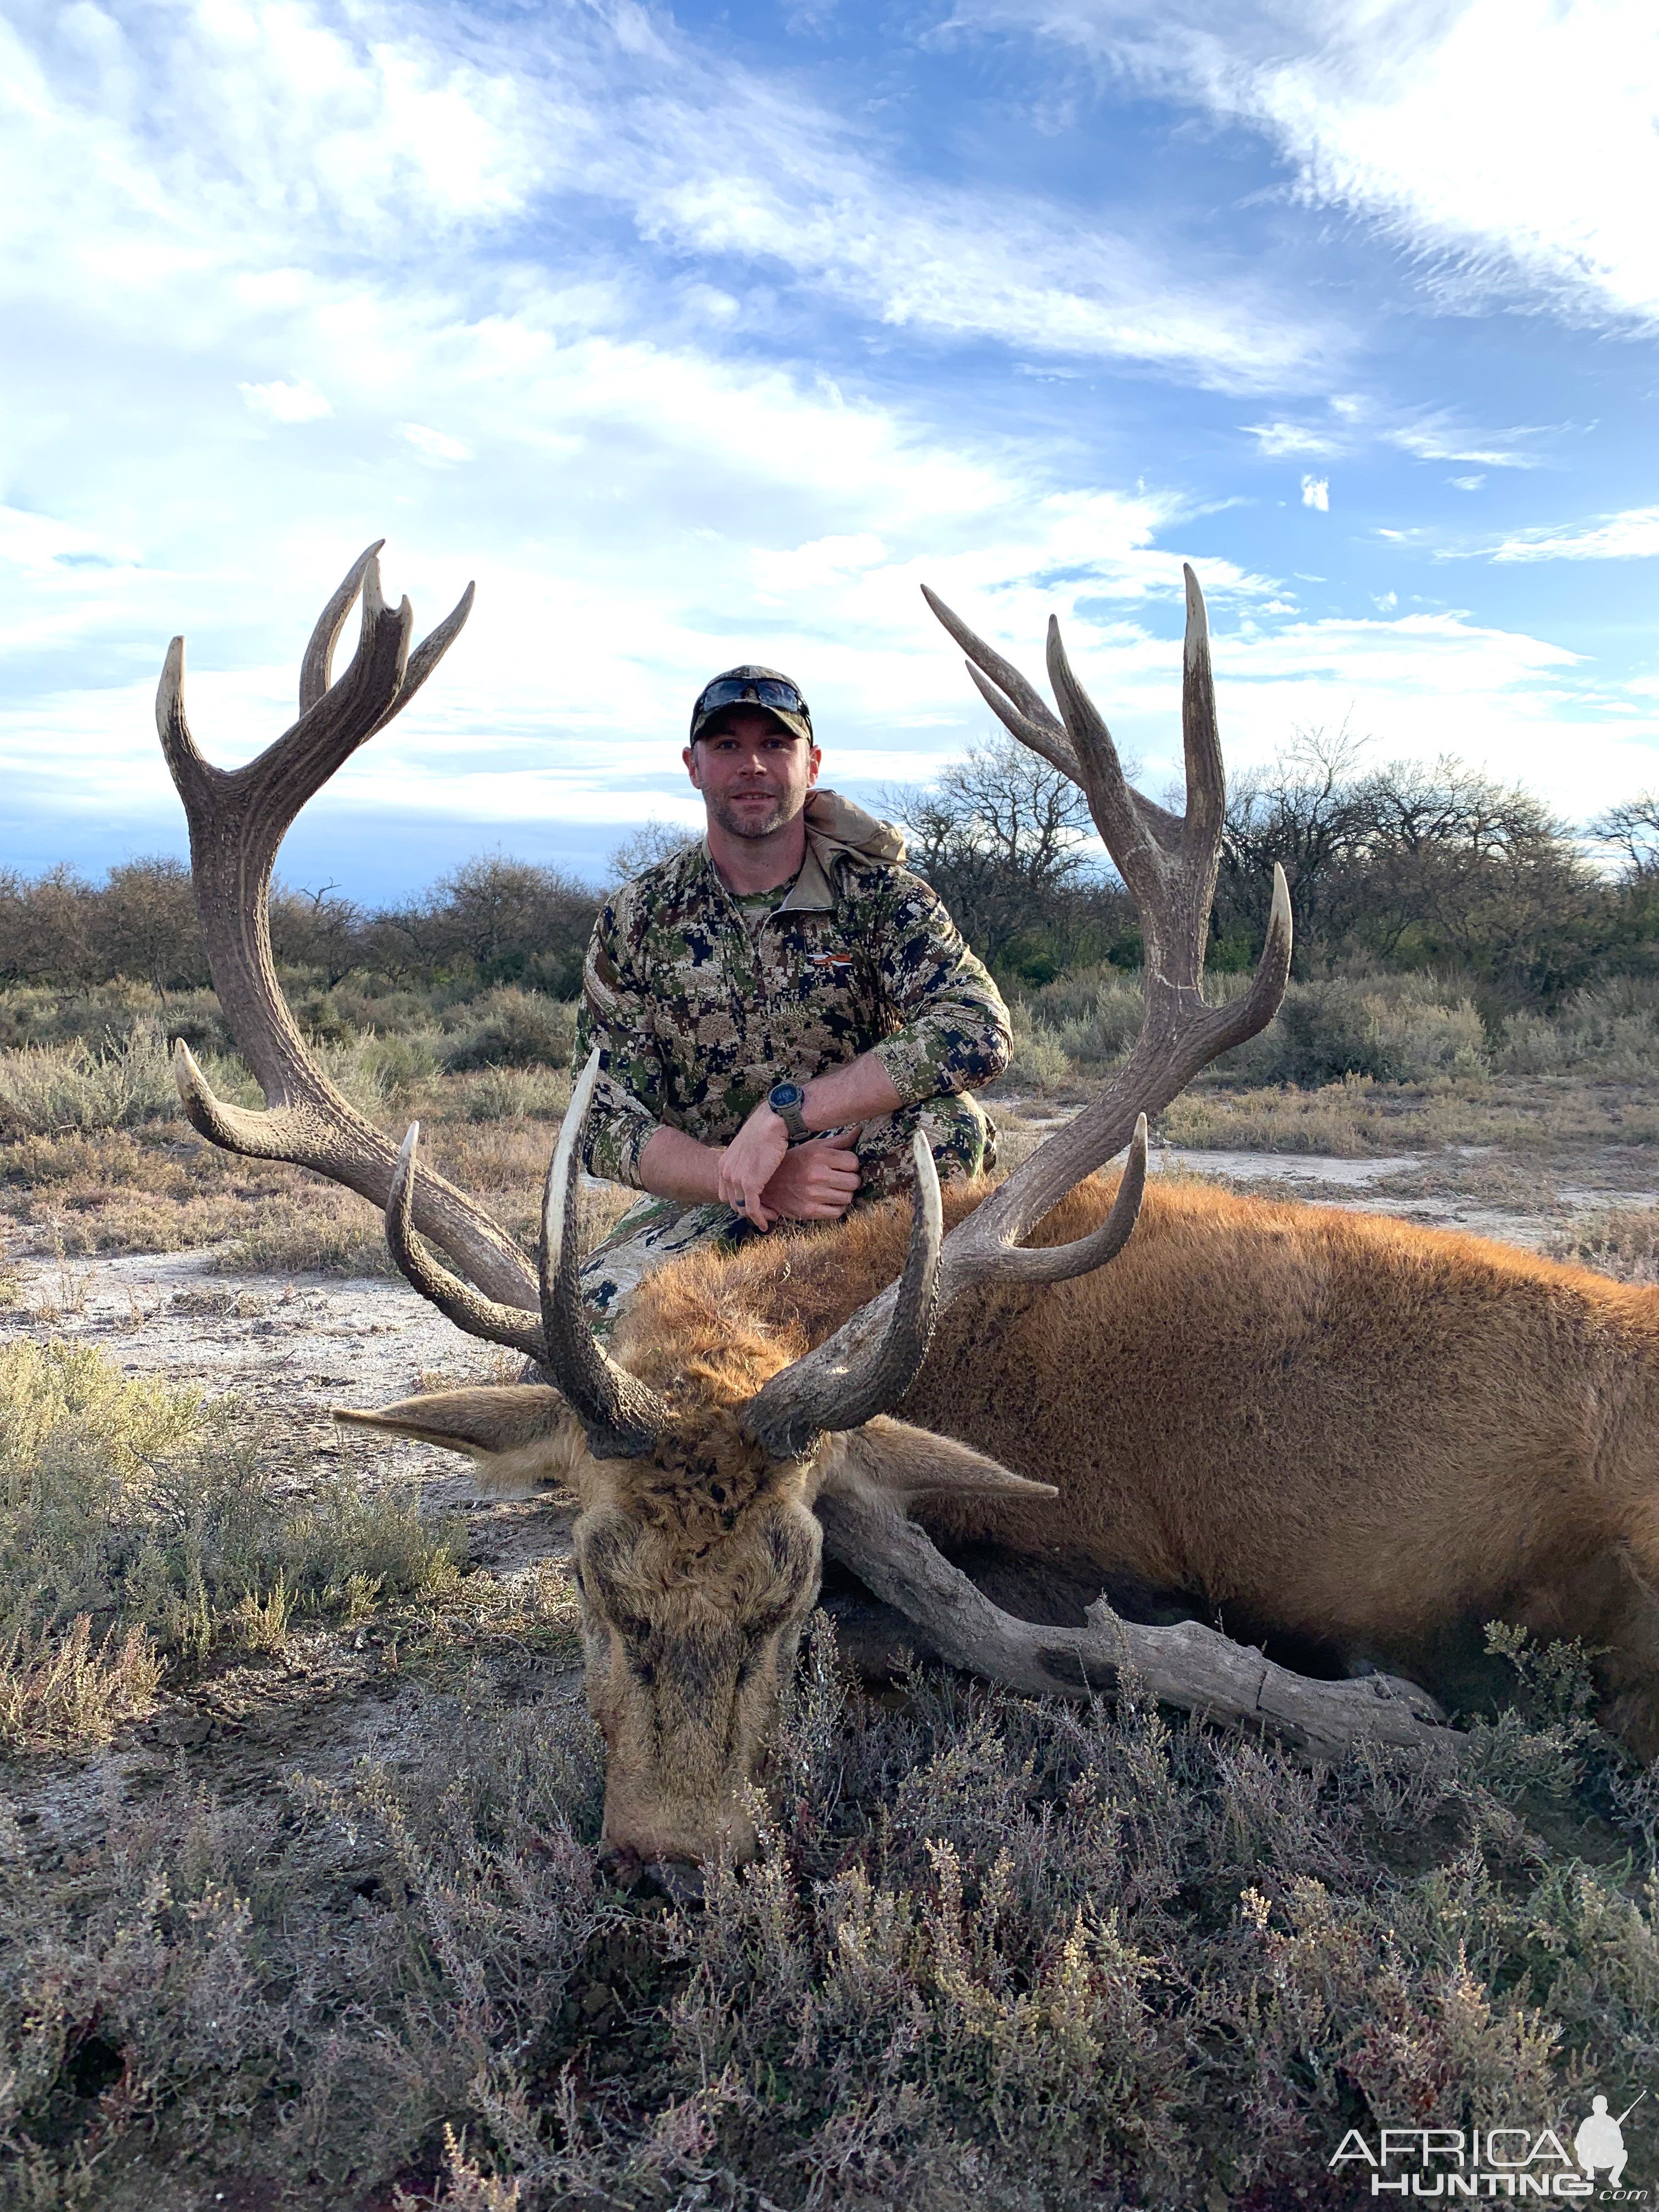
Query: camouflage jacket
696	1018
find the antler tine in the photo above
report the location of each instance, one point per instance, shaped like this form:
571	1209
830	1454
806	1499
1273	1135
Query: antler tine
429	652
1111	801
316	667
1060	1263
237	822
1022	711
1200	731
457	1301
821	1393
624	1417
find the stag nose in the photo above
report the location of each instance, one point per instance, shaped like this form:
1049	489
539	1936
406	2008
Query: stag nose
681	1881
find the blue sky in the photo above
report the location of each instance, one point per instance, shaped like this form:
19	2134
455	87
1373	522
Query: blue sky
705	336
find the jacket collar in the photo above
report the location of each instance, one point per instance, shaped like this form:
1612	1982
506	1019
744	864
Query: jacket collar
837	829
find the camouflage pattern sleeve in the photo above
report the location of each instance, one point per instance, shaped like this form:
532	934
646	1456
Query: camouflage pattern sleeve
954	1033
614	1016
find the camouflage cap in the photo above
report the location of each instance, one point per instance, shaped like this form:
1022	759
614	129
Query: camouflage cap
751	686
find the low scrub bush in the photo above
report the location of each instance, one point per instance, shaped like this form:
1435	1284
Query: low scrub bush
1610	1032
48	1089
60	1690
509	1094
124	1502
1039	1061
994	1952
1393	1029
511	1027
1623	1242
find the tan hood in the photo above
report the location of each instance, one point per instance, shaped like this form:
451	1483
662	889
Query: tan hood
837	829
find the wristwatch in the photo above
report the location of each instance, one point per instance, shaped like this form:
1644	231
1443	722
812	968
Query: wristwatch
786	1100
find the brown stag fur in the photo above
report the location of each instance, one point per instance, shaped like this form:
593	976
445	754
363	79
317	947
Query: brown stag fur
1343	1426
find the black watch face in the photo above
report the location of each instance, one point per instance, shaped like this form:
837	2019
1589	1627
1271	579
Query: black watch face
784	1095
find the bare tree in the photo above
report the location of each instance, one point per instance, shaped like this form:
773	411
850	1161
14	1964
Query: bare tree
1307	814
1003	838
144	925
645	848
1632	830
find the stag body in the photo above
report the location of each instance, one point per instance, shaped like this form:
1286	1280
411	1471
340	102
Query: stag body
1331	1427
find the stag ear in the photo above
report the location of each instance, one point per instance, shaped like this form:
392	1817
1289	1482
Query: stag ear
518	1435
900	1463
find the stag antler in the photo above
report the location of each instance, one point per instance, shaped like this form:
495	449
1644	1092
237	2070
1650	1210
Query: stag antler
1169	861
238	818
1185	1664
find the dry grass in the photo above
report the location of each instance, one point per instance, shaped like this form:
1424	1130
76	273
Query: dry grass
1623	1242
1358	1118
127	1504
994	1954
61	1689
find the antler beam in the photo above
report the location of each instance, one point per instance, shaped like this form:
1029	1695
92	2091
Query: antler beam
1187	1665
238	818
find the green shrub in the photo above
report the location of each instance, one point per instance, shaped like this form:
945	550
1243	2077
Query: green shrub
122	1500
510	1027
1395	1029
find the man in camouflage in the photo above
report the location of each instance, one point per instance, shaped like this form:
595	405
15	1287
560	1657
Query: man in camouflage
777	1008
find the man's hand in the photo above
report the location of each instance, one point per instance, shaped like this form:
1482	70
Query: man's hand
750	1162
761	1177
817	1181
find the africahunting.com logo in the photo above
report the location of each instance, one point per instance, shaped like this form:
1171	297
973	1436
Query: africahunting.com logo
1496	2162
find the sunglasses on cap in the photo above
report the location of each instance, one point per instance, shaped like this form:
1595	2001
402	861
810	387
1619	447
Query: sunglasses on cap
750	691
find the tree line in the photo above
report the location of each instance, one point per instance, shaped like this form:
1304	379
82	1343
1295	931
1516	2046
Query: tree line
1402	866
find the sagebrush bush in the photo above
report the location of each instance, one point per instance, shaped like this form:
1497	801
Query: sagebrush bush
511	1027
126	1501
1039	1061
1610	1031
47	1089
1393	1029
1622	1242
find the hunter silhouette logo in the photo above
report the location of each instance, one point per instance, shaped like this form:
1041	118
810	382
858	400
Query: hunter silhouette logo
1600	2141
1507	2162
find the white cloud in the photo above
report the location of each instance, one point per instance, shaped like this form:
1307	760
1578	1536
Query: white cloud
1632	535
366	127
1466	483
435	444
1515	138
286	403
1355	420
1277	442
1316	493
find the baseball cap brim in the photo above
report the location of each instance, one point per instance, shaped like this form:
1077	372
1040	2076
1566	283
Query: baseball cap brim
796	726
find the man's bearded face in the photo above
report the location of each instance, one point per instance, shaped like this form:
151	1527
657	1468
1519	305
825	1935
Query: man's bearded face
754	774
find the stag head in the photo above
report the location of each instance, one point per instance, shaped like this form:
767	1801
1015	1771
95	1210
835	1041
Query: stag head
695	1458
702	1459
